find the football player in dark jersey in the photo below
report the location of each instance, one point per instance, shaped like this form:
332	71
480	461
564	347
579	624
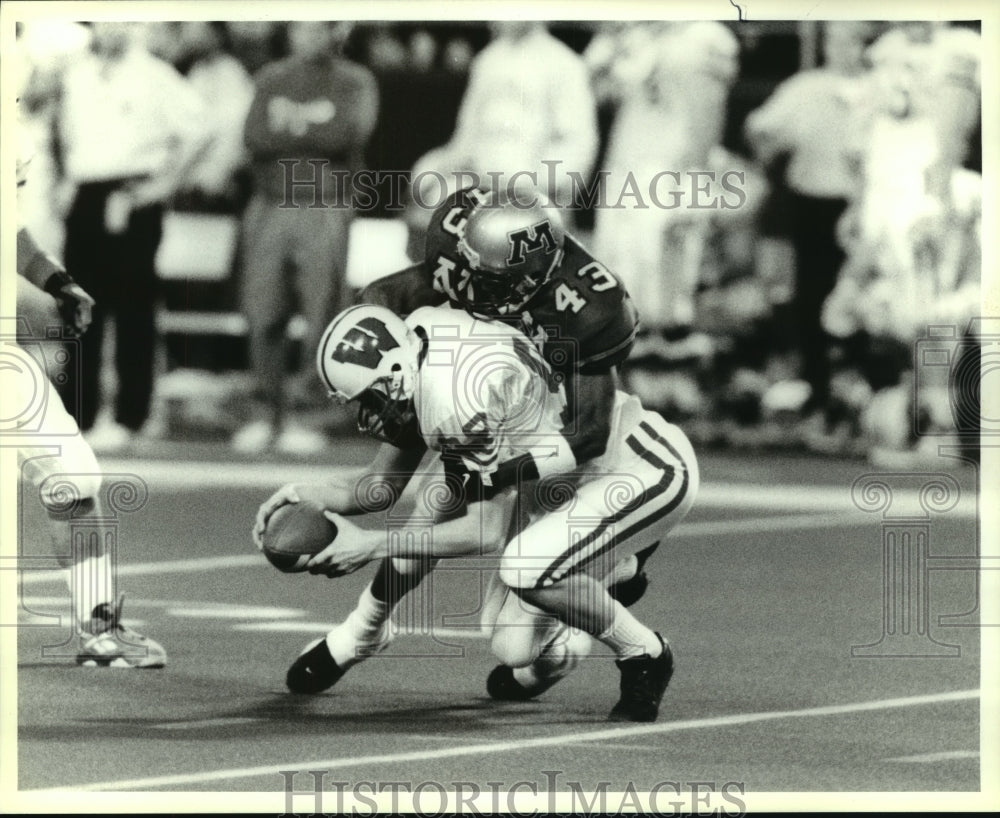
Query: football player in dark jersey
507	259
505	255
575	310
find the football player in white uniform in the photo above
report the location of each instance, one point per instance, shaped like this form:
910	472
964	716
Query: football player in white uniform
55	458
479	393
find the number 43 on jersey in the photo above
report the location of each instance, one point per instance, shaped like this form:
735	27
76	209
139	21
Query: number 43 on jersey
569	297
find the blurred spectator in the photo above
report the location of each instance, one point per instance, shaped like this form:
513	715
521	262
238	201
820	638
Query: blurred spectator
163	40
672	80
227	91
913	233
458	55
123	152
807	121
910	231
255	43
315	111
385	51
423	50
528	100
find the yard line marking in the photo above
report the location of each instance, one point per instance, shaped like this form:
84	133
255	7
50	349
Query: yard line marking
702	528
235	612
186	475
930	758
323	627
714	528
609	734
611	746
285	627
199	724
188	566
179	608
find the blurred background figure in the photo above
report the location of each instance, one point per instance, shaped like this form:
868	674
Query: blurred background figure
384	51
671	81
806	123
913	232
226	89
316	110
255	43
528	101
121	152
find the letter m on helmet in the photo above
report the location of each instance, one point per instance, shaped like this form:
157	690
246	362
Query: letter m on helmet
365	343
529	240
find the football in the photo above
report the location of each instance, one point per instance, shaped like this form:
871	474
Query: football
294	533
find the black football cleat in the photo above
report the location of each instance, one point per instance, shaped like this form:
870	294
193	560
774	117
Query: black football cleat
502	686
314	671
643	683
630	591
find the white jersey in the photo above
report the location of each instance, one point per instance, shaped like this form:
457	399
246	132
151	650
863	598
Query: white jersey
483	391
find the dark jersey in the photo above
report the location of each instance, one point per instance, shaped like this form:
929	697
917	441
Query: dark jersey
582	319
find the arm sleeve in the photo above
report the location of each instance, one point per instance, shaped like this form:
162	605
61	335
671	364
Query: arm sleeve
258	137
612	343
33	263
403	292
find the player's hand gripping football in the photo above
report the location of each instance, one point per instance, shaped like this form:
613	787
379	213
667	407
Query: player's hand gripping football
286	494
353	548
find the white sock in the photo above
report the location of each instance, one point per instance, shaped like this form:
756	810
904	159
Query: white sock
89	582
363	626
526	676
628	637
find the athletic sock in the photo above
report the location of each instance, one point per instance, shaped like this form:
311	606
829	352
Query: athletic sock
363	627
90	585
628	637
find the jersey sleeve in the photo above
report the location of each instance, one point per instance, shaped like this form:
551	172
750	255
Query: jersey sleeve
589	319
403	292
34	263
610	343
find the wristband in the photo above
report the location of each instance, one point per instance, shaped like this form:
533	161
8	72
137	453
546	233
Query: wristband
55	283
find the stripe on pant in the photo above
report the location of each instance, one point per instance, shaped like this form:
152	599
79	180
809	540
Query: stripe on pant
653	517
574	554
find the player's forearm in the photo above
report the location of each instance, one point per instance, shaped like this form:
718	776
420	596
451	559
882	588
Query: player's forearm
481	530
591	403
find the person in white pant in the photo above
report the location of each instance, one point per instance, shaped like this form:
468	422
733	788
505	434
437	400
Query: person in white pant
54	457
478	393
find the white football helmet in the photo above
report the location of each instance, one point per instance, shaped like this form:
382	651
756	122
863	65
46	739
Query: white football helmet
370	355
